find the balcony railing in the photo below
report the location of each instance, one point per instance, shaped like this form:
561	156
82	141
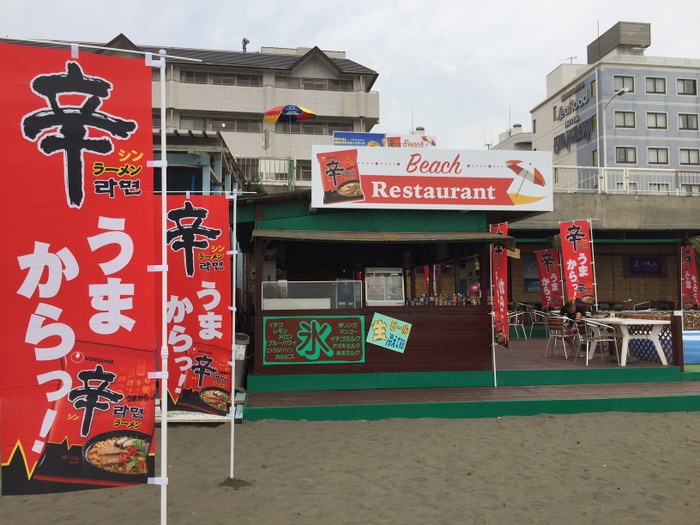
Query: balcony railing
626	181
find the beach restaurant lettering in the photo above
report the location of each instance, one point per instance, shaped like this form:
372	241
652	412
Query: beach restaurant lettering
579	132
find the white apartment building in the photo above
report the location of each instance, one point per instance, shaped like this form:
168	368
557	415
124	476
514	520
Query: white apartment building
223	95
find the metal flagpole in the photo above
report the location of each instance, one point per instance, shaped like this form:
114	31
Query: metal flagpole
493	312
234	271
162	375
164	301
595	282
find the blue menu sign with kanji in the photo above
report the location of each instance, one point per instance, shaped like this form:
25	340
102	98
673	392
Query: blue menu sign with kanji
388	333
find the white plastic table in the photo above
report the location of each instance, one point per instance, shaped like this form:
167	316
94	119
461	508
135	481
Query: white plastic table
624	325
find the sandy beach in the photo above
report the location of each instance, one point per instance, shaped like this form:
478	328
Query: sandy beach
610	468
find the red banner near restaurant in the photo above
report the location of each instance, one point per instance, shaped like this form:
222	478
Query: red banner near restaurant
549	271
690	278
199	291
499	280
577	261
76	297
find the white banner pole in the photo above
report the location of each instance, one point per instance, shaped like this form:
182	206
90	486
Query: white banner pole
493	311
234	269
595	281
164	301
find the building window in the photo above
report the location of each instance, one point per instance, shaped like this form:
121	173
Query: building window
687	86
287	82
220	79
656	85
688	121
631	186
594	123
656	121
624	119
303	170
555	113
626	155
220	123
312	127
689	156
193	122
594	88
315	84
691	189
657	155
595	157
659	187
534	126
194	77
156	119
620	82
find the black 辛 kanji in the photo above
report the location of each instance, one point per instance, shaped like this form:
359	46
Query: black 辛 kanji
68	125
547	260
188	236
202	368
333	170
574	236
90	396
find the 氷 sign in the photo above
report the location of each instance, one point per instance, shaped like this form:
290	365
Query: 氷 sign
313	340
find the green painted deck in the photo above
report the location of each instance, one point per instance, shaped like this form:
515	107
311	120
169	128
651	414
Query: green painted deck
527	384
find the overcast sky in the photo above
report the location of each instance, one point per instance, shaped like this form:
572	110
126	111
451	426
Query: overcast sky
464	70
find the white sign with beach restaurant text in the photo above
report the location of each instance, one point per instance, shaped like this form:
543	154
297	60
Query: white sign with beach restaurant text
397	178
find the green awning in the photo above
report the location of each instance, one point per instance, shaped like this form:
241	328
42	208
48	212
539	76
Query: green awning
374	236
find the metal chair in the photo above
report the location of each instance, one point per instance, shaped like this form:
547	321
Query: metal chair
596	333
515	321
555	330
537	318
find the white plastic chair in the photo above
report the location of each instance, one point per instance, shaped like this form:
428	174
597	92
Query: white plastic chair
515	321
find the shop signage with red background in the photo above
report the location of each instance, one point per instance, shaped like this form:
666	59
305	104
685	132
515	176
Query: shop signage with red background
549	271
431	178
313	340
577	260
499	278
77	408
199	291
690	277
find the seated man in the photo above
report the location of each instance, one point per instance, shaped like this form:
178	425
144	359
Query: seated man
572	312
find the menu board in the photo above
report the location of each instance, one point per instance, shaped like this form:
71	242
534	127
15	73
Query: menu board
304	340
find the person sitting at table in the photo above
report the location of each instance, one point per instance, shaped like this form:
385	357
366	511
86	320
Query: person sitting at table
573	312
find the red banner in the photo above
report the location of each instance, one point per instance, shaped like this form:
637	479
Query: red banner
499	280
577	260
199	291
549	271
690	278
76	297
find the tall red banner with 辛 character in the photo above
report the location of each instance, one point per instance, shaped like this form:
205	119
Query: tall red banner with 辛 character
499	280
549	271
577	261
199	291
689	278
76	299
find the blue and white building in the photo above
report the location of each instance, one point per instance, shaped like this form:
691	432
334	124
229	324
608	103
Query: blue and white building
625	112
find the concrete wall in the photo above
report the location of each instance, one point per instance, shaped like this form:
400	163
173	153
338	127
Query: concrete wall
619	212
